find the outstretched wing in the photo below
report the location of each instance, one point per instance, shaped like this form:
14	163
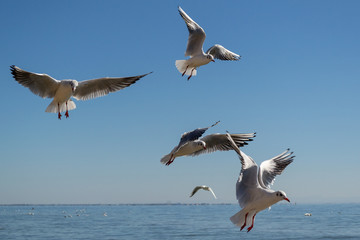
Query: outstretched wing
195	190
102	86
40	84
193	135
212	192
275	166
219	142
196	35
219	52
247	183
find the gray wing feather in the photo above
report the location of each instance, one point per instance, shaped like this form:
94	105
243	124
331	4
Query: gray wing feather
275	166
220	142
102	86
195	190
194	135
40	84
247	181
219	52
196	35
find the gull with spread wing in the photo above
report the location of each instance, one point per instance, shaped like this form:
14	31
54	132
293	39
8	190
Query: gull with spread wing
191	145
47	87
253	186
203	187
194	49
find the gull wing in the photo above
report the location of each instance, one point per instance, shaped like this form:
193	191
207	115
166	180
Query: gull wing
196	35
275	166
219	52
102	86
193	135
247	184
220	142
40	84
212	192
197	188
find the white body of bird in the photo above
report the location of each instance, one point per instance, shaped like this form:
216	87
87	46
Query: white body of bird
253	185
62	101
195	50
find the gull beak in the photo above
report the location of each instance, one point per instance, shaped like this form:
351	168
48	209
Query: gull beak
204	147
213	60
287	199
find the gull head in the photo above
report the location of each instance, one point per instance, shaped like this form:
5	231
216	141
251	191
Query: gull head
210	57
73	84
281	195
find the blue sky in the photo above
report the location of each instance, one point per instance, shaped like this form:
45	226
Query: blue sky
296	85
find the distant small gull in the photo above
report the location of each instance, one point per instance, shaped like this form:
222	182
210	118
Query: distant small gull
195	50
48	87
191	145
308	214
197	188
253	186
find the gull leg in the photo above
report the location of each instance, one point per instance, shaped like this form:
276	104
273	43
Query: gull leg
191	74
67	112
252	224
242	227
185	70
59	115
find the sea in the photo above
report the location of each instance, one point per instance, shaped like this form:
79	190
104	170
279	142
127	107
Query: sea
176	221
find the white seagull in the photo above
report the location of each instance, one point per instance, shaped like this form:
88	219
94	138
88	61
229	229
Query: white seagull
253	186
191	145
48	87
206	188
194	49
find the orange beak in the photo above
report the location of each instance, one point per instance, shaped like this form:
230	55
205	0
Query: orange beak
287	199
213	60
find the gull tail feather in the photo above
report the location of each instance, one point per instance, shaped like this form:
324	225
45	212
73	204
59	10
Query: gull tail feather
53	106
181	66
239	218
165	158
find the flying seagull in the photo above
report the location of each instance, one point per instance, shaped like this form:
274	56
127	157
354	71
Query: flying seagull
61	91
191	145
194	49
253	186
206	188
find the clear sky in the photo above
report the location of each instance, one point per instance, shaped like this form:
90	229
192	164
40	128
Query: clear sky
297	85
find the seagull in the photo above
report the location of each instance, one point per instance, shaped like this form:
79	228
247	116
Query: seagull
194	49
253	186
197	188
47	87
191	145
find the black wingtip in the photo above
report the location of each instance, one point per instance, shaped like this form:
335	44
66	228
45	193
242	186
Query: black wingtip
13	70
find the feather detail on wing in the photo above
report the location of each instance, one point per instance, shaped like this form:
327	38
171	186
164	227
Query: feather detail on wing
275	166
193	135
40	84
102	86
196	35
220	142
247	180
219	52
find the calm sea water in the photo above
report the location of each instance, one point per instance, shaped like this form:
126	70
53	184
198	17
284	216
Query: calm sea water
283	221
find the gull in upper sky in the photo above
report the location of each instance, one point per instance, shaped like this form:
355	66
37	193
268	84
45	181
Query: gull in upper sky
191	145
253	186
194	49
61	91
206	188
